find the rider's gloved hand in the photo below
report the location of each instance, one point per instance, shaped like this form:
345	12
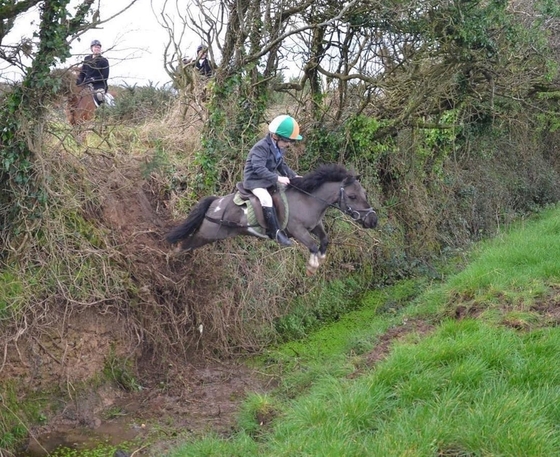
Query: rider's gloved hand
283	180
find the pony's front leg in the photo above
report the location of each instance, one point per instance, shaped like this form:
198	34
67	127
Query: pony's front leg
313	263
319	232
316	256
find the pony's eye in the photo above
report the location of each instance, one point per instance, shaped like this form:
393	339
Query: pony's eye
352	197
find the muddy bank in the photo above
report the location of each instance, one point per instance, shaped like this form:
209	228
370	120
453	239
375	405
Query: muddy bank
206	398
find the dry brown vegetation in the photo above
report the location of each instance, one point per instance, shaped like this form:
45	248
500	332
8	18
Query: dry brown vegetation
98	290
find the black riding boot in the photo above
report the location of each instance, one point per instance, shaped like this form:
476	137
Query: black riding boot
273	229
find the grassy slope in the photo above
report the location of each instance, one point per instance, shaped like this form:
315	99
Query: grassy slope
466	368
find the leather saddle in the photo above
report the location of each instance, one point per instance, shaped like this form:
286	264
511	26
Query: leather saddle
279	201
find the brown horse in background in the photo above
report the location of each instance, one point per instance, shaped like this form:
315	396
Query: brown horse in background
80	102
81	106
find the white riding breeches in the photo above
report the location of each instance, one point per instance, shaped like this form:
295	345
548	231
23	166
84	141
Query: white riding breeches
264	197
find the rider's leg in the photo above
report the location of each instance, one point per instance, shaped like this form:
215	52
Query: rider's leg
274	231
270	217
99	92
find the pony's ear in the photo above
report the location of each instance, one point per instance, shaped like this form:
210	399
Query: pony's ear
354	174
348	180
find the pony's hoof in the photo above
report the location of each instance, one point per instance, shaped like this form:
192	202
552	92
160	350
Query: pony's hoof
310	271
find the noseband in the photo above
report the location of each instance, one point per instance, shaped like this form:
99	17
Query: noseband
355	214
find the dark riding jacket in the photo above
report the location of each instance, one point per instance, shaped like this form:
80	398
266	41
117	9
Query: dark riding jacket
204	66
95	71
264	164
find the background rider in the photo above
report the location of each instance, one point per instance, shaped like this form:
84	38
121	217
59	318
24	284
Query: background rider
95	71
201	61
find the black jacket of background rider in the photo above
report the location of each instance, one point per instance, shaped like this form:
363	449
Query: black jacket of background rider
204	67
95	71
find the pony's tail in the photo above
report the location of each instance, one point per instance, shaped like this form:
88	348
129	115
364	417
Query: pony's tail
192	223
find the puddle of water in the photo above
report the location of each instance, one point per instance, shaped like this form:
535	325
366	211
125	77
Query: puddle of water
108	434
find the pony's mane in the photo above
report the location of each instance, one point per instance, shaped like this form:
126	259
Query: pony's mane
325	173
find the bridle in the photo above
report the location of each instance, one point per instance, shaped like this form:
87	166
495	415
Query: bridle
355	214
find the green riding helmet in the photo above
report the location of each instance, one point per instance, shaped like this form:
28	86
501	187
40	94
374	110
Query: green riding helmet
285	127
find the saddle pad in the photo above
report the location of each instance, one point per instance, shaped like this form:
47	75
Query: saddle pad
238	200
251	216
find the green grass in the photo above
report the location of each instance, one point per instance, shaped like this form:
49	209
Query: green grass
102	450
516	267
15	413
11	292
457	385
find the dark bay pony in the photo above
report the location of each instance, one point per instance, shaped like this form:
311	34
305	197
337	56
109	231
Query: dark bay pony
308	197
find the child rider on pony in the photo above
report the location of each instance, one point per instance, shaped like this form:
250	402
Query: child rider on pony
265	167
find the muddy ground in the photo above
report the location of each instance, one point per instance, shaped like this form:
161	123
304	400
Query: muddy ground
63	349
156	416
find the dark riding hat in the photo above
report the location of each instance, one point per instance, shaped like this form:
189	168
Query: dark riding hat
95	43
201	47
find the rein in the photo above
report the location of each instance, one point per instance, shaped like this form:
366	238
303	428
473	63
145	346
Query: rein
355	214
